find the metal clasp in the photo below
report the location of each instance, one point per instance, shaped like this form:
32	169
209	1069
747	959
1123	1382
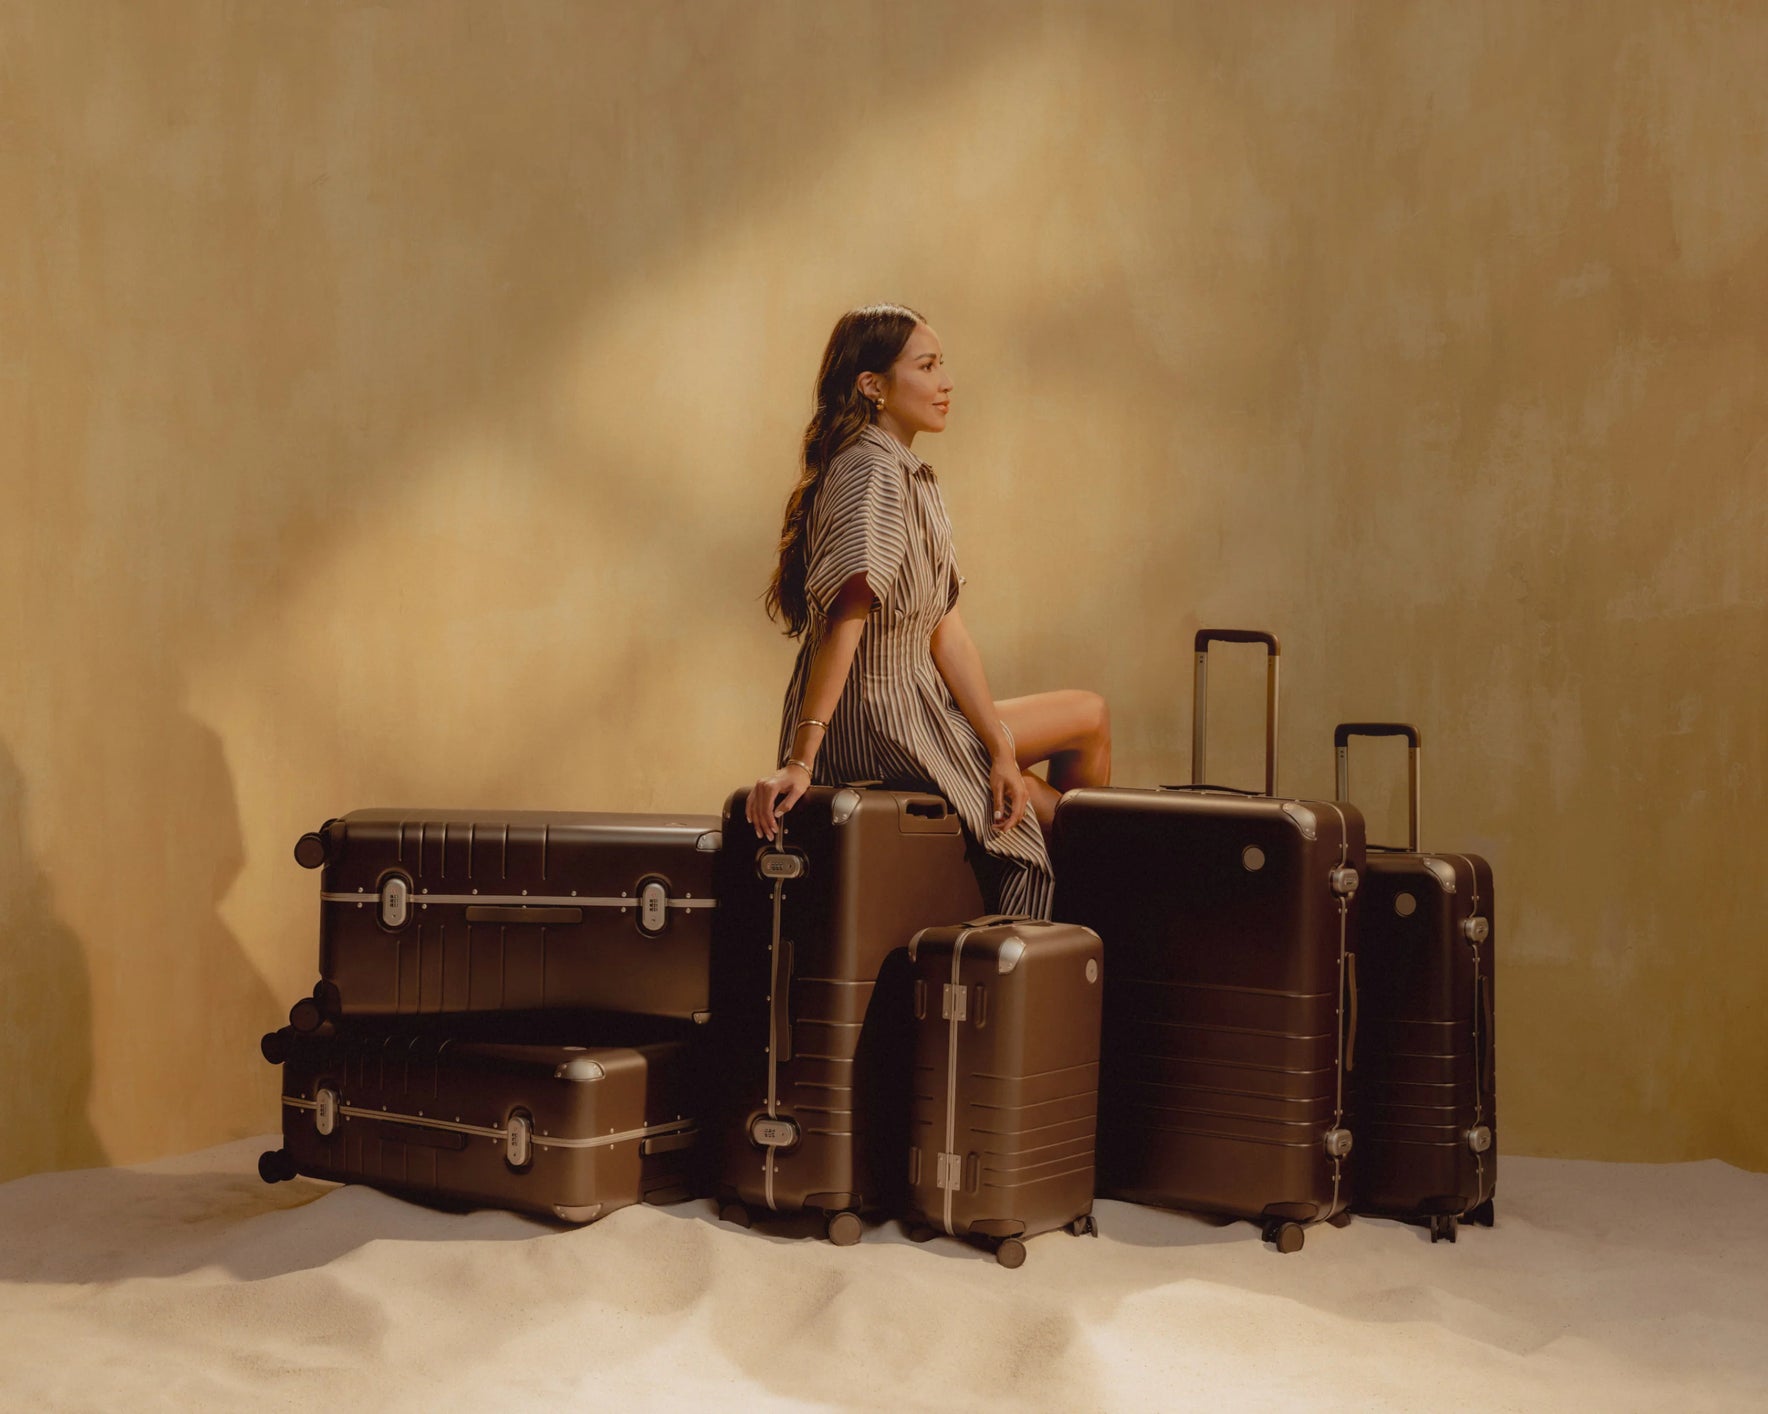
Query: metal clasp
954	1002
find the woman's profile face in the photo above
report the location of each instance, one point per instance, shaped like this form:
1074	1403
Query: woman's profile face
917	393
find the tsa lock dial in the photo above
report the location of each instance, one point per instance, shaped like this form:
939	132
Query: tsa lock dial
395	901
653	906
774	1133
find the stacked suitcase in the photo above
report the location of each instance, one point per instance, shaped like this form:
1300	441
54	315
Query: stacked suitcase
507	1011
564	1014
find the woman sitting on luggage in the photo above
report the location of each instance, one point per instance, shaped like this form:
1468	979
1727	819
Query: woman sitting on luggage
888	684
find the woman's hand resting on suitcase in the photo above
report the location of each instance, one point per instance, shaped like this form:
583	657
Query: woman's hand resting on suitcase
773	796
1006	786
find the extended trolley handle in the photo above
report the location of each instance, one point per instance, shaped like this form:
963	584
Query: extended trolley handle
1200	707
1341	741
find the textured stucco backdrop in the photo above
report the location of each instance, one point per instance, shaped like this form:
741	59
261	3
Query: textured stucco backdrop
397	403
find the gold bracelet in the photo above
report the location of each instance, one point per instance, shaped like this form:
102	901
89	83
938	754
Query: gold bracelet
809	722
794	761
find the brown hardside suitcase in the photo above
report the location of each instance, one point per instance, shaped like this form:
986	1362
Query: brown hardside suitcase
1229	1013
1426	1113
450	911
809	1023
567	1132
1005	1095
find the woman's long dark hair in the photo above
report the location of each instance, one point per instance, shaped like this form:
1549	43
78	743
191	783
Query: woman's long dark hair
864	340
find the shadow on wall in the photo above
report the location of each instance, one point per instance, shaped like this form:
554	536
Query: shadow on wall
45	1011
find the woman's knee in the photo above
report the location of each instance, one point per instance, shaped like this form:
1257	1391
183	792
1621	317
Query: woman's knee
1096	716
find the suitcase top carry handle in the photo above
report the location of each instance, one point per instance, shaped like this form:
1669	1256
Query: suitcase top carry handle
1200	704
1341	741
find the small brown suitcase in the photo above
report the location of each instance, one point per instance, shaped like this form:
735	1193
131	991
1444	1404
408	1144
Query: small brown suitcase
1427	1119
809	1021
1229	920
448	911
566	1132
1005	1094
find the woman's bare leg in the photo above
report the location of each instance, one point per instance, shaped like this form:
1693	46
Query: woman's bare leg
1070	729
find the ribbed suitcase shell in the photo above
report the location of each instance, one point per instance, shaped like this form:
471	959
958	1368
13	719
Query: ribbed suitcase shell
430	1119
1224	1035
1426	1117
1426	1113
878	866
1004	1103
440	911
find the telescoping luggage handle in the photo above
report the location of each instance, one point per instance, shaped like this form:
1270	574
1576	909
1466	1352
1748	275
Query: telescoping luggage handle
1341	741
1200	705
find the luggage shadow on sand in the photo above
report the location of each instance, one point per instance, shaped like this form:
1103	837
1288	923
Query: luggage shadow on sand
165	1225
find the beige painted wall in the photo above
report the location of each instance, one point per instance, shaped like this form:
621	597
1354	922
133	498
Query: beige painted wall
397	403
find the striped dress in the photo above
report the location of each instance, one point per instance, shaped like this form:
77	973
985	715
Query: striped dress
878	510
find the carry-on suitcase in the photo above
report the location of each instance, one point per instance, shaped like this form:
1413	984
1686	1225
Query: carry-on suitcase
567	1132
808	1021
1230	1010
434	911
1427	1126
1005	1092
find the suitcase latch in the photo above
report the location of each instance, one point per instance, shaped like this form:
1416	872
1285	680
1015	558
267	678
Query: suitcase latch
1479	1138
1344	880
395	901
325	1110
1476	929
518	1140
653	906
1338	1143
774	1133
949	1172
774	864
954	1004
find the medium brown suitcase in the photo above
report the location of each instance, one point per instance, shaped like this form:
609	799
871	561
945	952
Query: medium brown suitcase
567	1132
809	1022
1427	1119
434	911
1005	1094
1229	1014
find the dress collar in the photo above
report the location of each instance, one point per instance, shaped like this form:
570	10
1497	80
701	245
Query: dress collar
899	453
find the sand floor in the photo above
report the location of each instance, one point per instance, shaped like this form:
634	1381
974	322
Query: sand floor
188	1284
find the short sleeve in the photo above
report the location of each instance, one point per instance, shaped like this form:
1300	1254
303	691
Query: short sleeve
954	583
860	527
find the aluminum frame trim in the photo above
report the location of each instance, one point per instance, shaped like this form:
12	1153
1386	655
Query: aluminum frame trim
518	900
502	1132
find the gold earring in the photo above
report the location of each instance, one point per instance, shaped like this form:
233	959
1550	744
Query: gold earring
880	403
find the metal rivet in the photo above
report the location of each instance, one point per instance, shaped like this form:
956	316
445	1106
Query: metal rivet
1405	905
1252	857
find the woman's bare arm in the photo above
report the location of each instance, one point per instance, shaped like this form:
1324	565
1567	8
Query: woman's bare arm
829	667
960	663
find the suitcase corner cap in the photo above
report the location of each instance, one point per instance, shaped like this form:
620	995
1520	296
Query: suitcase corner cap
580	1068
842	805
1008	957
1303	819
